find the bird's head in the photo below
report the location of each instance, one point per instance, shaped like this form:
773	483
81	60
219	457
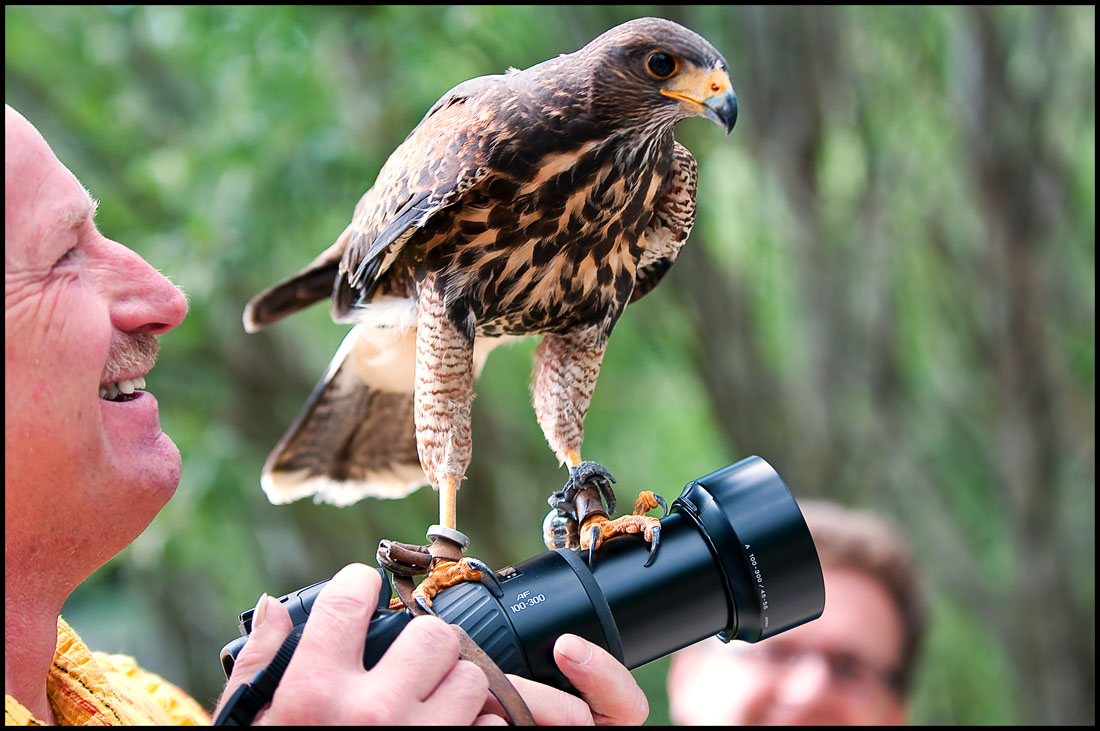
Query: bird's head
653	70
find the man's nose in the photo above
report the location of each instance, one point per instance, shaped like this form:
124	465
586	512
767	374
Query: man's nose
143	300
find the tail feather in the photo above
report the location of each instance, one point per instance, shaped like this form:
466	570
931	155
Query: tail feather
355	436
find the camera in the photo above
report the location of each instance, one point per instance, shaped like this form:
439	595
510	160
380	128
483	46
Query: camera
735	559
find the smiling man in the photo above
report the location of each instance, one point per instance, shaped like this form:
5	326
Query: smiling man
87	468
853	666
84	474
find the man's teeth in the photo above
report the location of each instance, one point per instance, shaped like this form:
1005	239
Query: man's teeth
112	390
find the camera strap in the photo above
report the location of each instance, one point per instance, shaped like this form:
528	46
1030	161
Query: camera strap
250	698
499	685
403	561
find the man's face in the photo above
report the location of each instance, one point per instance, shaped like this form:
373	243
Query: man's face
77	306
832	671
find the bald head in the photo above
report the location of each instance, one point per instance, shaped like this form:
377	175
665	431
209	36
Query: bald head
32	178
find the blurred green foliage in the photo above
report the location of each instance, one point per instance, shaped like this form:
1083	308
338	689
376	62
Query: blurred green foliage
889	294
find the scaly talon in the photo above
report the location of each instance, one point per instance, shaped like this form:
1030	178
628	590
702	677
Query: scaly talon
572	507
444	575
661	501
647	500
598	528
488	577
591	473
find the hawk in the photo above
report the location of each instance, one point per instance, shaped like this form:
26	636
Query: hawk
534	202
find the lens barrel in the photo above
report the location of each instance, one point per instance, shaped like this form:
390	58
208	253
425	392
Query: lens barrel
735	559
760	539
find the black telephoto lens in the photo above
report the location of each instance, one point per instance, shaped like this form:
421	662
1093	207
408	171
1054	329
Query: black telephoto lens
735	559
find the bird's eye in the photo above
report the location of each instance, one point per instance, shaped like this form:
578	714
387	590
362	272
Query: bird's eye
661	65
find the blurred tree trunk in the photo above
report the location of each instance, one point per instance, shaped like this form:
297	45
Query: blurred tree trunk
1021	190
785	128
793	73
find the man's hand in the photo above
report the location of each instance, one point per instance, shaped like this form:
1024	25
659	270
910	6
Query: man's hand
609	694
419	680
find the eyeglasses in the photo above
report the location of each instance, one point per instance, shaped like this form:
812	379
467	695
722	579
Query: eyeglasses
847	669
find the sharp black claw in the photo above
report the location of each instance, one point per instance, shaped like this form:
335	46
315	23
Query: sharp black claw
608	496
593	534
653	545
488	578
423	604
595	474
661	501
561	500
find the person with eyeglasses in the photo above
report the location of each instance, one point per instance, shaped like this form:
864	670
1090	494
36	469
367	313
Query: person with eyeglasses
852	666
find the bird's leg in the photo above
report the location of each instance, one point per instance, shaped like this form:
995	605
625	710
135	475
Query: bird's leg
448	502
448	566
444	393
566	369
565	375
443	396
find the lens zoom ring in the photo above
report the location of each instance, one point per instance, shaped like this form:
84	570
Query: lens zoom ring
474	609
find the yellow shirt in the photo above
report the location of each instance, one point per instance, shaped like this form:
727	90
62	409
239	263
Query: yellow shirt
88	688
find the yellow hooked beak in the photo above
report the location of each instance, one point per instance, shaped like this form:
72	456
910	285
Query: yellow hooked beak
709	93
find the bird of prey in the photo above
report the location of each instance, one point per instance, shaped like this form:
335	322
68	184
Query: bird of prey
536	202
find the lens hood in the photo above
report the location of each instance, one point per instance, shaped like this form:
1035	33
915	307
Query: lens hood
759	538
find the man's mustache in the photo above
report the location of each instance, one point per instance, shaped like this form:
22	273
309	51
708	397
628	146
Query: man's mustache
129	354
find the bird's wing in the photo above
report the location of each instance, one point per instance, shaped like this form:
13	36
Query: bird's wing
312	284
438	163
673	217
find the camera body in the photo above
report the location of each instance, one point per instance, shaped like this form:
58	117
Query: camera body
735	559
